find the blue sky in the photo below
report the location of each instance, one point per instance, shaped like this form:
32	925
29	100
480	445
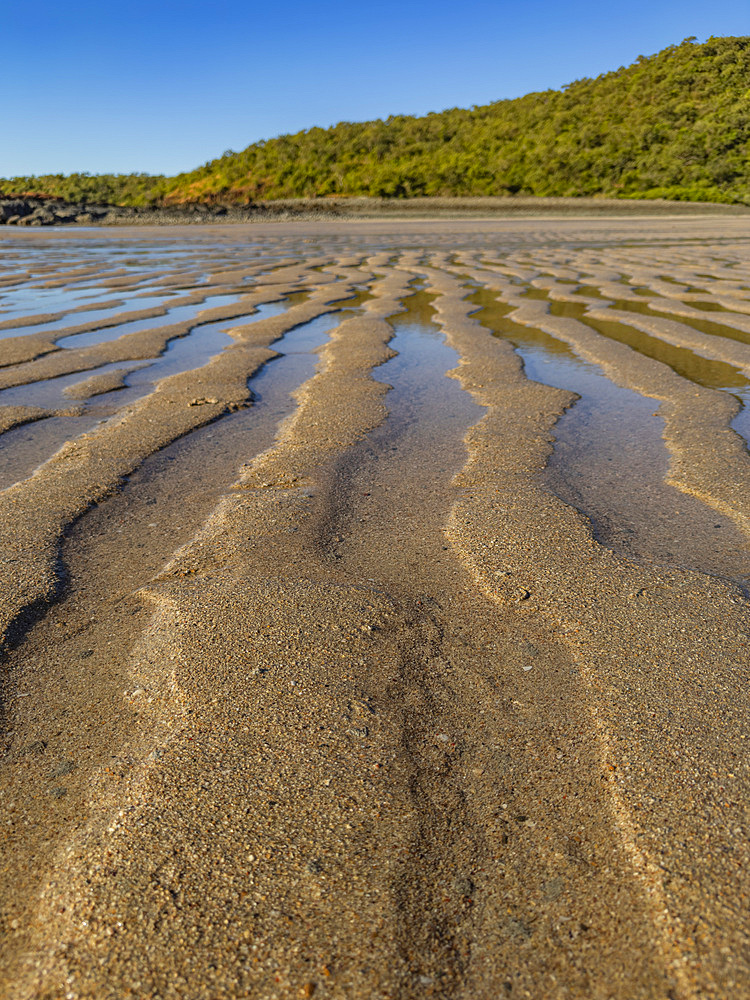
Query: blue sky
163	86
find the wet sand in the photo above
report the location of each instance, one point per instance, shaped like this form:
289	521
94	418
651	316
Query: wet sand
374	602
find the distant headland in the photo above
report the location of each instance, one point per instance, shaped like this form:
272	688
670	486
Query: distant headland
672	126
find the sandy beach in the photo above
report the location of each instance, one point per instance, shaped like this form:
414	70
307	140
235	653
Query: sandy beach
374	610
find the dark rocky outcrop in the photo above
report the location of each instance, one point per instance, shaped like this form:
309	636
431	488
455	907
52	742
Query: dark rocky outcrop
35	210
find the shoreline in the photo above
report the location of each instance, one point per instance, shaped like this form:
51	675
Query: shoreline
32	212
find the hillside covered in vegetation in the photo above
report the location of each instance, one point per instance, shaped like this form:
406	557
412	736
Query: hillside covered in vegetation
674	125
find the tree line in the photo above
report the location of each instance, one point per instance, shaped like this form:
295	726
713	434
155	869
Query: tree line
673	125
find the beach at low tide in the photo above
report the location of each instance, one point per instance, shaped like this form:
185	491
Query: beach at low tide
374	609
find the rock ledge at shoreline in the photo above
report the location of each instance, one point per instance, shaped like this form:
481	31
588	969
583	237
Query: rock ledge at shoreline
40	210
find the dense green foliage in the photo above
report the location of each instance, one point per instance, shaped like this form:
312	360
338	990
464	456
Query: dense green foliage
111	189
675	125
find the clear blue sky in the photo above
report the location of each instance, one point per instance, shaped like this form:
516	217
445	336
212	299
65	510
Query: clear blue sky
163	85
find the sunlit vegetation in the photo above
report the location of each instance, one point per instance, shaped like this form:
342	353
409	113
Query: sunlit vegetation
674	125
110	189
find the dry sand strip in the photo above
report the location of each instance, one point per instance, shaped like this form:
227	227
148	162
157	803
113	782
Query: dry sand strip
15	416
36	511
70	482
96	385
708	346
28	347
145	344
359	416
713	346
658	673
34	320
141	344
708	459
